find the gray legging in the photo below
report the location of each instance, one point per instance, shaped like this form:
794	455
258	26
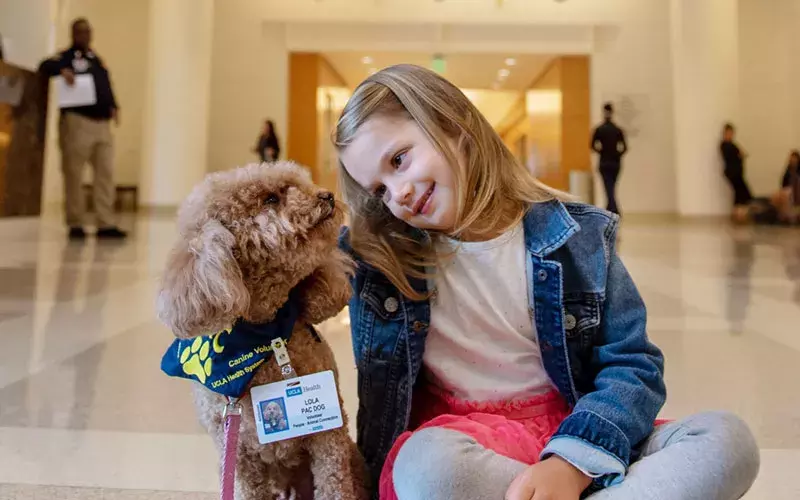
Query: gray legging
712	456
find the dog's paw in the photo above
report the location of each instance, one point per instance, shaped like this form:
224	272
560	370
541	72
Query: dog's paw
196	358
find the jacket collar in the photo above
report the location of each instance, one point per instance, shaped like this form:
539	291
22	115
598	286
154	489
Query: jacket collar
548	226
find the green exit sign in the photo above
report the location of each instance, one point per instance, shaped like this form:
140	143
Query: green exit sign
439	65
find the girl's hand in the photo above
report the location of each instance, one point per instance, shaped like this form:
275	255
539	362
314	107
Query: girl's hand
551	479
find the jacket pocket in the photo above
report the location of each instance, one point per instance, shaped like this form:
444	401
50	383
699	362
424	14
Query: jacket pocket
384	300
581	326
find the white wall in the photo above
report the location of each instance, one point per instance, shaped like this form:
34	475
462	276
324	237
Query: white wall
769	121
178	93
631	64
249	83
705	59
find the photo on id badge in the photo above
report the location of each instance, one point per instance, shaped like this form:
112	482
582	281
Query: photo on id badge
273	415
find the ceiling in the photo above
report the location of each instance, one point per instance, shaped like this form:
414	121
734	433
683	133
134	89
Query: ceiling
467	71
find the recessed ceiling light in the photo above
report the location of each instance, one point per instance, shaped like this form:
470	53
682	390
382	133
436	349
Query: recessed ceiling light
366	60
511	61
503	73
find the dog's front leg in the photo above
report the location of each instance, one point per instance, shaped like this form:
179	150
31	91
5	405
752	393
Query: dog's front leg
334	467
328	289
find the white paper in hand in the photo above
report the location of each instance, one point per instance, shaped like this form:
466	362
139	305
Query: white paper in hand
82	93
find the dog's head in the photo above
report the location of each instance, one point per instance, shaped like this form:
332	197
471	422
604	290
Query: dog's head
257	230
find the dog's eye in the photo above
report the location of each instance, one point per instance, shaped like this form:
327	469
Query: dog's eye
272	199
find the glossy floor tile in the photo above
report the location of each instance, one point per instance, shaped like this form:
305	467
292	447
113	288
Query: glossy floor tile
86	413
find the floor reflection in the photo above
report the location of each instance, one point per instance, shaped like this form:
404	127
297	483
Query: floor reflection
79	368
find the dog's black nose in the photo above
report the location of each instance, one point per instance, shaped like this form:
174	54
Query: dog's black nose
327	196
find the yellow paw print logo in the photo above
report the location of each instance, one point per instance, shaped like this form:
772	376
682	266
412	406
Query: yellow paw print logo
196	358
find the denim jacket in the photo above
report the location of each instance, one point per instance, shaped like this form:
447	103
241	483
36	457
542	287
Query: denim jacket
591	327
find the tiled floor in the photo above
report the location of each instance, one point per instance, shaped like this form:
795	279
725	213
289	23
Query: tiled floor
85	412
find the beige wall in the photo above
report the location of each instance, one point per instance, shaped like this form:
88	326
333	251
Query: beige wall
769	121
249	83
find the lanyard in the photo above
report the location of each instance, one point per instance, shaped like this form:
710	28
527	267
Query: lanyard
232	418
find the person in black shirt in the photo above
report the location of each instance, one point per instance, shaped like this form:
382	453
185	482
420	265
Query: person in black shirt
608	141
733	157
267	147
787	200
85	134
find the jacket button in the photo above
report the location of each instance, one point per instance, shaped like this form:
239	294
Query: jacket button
569	322
391	305
542	275
418	326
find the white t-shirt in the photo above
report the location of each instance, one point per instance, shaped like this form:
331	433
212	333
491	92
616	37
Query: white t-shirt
482	343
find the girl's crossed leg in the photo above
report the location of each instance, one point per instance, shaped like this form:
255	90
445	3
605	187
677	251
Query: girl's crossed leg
711	455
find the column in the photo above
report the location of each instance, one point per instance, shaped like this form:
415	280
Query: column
178	100
706	94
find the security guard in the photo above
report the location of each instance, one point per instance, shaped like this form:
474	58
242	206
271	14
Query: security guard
85	135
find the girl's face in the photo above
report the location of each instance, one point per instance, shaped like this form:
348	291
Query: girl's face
392	159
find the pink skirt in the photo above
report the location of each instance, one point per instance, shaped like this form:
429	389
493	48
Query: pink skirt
517	429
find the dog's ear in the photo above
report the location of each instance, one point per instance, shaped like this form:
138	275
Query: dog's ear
202	290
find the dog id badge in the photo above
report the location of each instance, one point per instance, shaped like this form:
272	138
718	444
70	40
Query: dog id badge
296	407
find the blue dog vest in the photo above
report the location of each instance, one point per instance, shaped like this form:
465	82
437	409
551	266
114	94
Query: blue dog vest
226	361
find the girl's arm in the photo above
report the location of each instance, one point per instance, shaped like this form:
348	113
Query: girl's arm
607	423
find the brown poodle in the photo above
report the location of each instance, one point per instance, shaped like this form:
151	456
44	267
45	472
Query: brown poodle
249	237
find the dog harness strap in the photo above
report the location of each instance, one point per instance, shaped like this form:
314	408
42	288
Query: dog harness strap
232	416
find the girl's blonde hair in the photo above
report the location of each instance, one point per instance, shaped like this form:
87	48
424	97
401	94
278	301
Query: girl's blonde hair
494	190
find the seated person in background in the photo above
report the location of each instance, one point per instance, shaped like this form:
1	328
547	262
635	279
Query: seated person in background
787	200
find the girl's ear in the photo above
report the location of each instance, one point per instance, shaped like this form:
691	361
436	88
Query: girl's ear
202	290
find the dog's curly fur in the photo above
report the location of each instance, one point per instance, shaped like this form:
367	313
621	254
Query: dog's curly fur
247	238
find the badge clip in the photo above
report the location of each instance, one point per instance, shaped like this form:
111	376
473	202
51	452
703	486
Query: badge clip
282	358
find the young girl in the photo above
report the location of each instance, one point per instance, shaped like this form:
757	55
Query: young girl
500	342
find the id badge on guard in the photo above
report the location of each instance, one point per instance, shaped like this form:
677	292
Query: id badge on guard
296	407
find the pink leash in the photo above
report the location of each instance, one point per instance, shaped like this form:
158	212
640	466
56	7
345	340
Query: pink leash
233	419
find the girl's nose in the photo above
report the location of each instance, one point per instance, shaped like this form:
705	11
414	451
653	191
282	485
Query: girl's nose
405	195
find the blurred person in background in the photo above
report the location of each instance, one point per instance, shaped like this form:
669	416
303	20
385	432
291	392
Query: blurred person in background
787	200
733	157
608	141
267	146
85	135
